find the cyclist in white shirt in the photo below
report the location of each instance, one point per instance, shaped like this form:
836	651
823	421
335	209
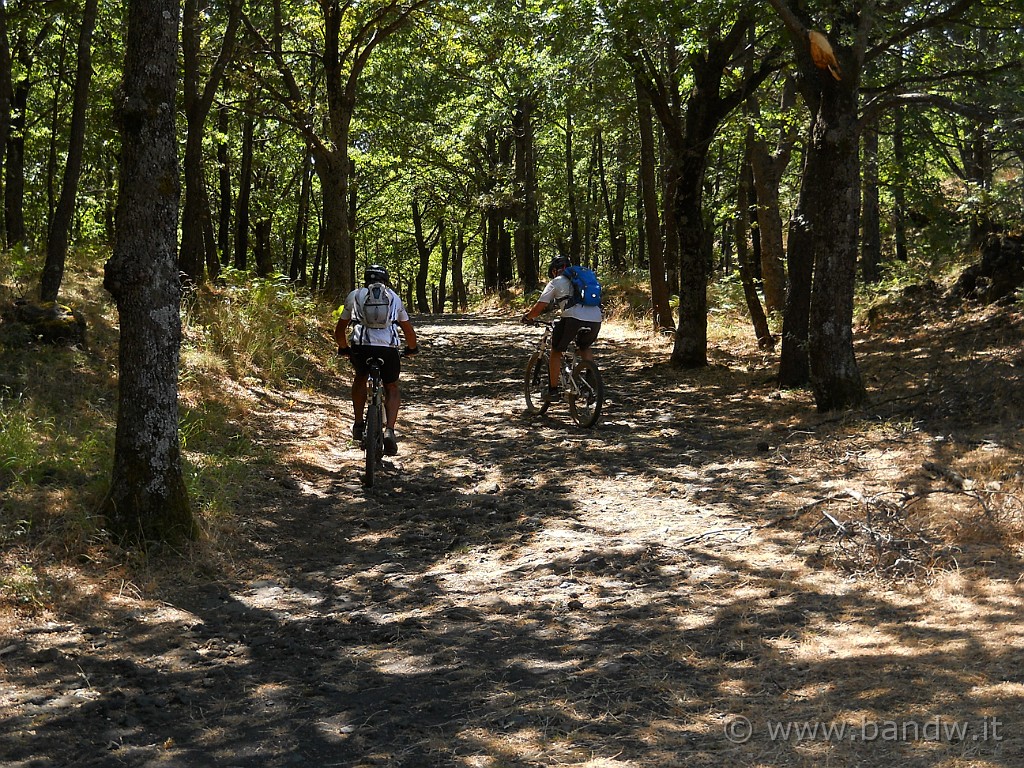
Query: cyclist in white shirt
359	338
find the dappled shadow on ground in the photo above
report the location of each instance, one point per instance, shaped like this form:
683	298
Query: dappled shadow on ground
518	592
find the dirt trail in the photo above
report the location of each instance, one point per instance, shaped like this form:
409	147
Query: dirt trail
665	603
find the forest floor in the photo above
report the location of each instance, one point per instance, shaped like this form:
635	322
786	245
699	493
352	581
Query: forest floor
714	575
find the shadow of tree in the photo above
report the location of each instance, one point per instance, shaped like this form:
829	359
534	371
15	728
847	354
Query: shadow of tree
517	592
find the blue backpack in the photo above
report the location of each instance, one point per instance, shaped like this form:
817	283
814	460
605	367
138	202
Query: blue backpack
586	288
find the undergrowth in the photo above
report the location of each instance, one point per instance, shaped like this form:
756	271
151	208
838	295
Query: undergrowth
243	339
58	411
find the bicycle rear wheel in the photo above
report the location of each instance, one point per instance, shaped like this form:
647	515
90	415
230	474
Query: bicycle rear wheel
373	442
536	384
585	406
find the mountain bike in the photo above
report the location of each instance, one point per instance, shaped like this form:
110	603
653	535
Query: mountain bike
373	424
375	420
581	381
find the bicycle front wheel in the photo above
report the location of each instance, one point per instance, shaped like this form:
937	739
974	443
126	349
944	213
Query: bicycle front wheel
585	406
536	384
373	442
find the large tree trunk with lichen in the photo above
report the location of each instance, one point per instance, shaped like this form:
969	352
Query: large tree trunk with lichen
147	500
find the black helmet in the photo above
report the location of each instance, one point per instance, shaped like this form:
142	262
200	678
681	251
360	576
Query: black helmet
559	262
375	273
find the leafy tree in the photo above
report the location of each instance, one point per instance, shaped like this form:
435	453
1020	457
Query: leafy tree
831	62
691	101
341	40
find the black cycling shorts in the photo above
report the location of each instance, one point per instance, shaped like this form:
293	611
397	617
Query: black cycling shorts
392	361
567	328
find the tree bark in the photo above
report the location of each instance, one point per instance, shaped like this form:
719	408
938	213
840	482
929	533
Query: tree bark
794	367
147	500
460	301
768	165
6	94
300	249
14	167
425	243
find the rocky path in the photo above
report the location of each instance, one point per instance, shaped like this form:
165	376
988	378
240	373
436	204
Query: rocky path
519	593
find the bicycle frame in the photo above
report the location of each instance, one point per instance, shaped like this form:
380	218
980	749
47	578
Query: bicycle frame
373	424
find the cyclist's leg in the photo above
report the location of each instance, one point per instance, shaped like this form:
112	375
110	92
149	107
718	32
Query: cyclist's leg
554	368
561	335
392	402
392	397
359	355
585	339
389	374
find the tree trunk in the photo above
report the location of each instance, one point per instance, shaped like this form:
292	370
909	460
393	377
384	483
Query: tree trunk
60	225
661	310
244	195
570	192
441	294
262	251
691	343
618	229
830	204
56	124
147	499
871	237
768	165
198	249
460	301
899	192
606	198
671	229
297	264
224	184
794	367
14	169
833	172
6	95
762	332
526	194
424	247
506	260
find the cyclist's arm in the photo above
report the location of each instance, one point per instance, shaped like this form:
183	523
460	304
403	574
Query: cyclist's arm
536	310
341	332
409	332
